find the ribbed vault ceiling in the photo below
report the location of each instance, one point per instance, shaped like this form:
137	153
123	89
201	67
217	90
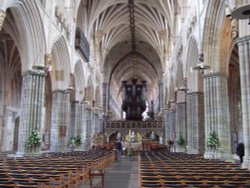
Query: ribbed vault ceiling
109	22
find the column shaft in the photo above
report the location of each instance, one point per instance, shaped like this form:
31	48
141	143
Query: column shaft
105	94
181	123
195	123
33	88
244	58
217	113
161	96
60	127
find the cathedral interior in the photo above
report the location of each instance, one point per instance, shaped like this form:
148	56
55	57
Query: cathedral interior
81	75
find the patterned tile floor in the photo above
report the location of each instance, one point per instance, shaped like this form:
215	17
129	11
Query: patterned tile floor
122	173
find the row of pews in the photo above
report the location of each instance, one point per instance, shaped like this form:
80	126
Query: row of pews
164	169
53	170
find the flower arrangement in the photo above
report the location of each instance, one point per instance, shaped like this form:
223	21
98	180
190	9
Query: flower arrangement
181	141
34	139
76	140
213	140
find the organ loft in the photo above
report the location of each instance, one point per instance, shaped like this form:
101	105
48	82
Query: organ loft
134	99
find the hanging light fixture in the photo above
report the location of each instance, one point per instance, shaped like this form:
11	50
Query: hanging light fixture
201	65
242	12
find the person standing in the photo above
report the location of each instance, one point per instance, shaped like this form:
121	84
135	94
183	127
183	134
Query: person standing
119	148
240	151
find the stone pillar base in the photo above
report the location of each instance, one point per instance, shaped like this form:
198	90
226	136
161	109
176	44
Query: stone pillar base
19	154
225	156
216	154
79	149
246	163
181	149
192	150
210	154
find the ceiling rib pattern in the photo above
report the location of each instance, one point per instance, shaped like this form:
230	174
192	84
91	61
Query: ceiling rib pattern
110	24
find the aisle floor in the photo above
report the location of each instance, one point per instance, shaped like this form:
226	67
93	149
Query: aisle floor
122	173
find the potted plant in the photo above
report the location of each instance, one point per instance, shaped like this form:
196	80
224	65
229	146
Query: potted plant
213	140
75	141
34	139
181	142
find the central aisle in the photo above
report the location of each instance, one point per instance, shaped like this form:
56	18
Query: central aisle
122	173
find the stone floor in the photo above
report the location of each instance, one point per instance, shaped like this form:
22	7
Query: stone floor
122	173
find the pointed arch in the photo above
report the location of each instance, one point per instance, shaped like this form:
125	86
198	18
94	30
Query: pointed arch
179	75
61	64
97	97
79	80
194	81
212	33
89	90
29	34
171	90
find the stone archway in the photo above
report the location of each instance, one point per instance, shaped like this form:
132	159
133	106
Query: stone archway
60	82
194	101
10	84
217	42
234	94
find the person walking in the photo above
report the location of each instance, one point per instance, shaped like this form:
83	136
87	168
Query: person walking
240	151
119	148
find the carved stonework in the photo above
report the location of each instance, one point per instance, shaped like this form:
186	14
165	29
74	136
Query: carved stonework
47	59
234	28
142	127
2	18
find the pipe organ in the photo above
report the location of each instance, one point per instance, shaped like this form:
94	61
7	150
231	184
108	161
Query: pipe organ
134	99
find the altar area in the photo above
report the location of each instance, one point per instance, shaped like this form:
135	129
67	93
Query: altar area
135	135
132	146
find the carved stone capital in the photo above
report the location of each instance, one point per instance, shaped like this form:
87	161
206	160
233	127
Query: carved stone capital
47	59
2	18
234	28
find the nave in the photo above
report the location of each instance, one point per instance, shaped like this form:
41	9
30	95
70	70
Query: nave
122	173
157	169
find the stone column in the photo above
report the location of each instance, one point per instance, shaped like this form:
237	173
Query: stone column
167	124
217	113
181	123
2	94
83	125
101	122
33	88
60	121
74	113
2	115
161	96
105	95
244	48
87	122
195	123
172	121
2	18
75	128
96	127
164	124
